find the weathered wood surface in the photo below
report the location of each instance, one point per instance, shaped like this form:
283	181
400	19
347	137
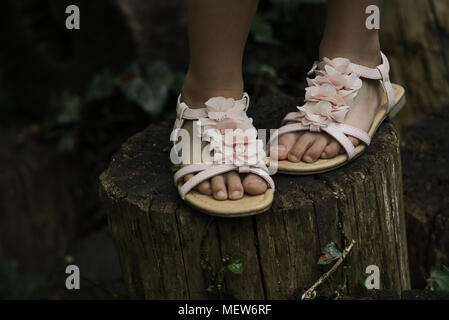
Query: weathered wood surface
425	150
159	238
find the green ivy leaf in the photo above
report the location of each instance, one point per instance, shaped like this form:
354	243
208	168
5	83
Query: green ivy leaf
67	142
362	280
331	253
262	31
102	86
15	285
150	89
348	271
70	109
440	278
237	264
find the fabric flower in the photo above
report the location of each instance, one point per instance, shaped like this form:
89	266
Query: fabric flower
325	92
329	94
320	114
340	65
220	108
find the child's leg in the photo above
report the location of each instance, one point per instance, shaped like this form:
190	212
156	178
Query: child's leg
217	35
345	36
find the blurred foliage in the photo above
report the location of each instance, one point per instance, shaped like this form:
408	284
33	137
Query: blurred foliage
273	65
146	85
16	285
276	55
438	279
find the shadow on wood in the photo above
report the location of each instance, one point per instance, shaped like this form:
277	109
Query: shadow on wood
158	237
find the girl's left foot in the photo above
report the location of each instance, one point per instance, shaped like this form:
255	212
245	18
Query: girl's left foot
309	147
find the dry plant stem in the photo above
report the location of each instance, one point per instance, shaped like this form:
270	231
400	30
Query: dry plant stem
310	293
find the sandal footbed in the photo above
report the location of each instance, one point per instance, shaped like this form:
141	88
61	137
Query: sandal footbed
247	206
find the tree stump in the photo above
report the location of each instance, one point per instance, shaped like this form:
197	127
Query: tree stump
169	251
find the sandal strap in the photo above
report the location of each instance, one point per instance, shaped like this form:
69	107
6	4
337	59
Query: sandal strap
209	171
190	169
341	138
381	72
355	132
183	112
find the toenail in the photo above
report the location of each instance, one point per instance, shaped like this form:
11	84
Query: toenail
236	194
324	155
281	148
293	158
221	194
308	159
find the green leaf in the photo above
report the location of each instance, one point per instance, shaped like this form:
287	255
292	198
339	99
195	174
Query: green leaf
348	271
362	280
8	275
150	89
70	107
102	86
330	253
440	278
15	285
237	264
262	31
67	142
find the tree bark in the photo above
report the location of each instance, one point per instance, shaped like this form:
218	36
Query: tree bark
162	243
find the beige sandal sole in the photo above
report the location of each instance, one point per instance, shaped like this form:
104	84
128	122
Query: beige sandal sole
245	207
325	165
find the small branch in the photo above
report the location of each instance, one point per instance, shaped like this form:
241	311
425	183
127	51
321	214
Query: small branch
310	294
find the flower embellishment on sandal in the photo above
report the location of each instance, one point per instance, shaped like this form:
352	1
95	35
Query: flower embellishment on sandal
330	94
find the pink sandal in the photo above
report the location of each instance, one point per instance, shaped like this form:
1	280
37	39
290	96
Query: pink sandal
236	149
336	84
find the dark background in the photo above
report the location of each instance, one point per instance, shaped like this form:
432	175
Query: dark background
69	99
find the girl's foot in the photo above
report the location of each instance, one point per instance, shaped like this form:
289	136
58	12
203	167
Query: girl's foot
309	147
230	185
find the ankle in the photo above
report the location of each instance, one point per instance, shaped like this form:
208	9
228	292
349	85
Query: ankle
366	53
197	90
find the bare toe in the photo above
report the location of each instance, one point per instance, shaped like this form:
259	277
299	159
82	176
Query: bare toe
316	149
205	188
285	144
254	185
235	187
300	147
354	141
332	150
219	188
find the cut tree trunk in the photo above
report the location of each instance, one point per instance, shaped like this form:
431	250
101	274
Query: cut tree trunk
163	244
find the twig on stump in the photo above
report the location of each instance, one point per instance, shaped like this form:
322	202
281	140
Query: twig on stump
311	293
